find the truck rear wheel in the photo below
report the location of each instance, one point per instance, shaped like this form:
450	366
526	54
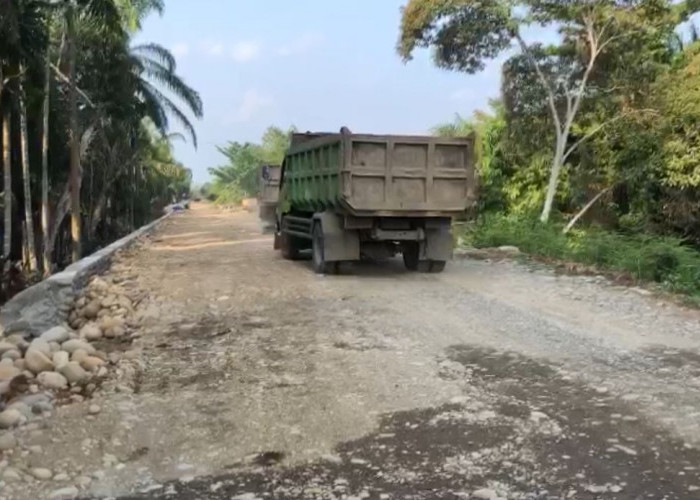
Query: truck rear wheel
411	255
411	259
318	254
290	246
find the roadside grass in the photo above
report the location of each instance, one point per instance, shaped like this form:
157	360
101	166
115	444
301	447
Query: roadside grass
662	260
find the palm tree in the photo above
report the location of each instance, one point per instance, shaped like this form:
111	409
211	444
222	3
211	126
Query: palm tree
133	11
154	66
23	39
460	127
104	16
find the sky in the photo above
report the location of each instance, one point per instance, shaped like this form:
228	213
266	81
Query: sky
317	65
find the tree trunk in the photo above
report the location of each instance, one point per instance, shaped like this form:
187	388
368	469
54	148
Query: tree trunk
7	171
45	170
26	179
133	198
74	176
573	102
553	178
98	212
585	209
62	209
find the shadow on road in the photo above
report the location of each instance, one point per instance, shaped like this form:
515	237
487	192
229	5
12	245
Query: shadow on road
521	431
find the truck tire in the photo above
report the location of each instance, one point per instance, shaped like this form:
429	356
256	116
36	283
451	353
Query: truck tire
411	259
317	253
290	247
411	255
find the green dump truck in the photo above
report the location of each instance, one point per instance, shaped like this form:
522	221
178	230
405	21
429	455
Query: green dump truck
268	194
349	196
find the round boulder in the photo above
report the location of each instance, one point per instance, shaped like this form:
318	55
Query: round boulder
7	346
40	345
60	359
10	418
7	441
37	361
56	334
91	363
78	355
73	345
91	331
74	373
8	372
52	380
12	354
92	309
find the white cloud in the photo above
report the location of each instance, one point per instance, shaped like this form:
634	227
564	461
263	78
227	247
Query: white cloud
212	47
180	49
216	49
245	51
301	45
252	103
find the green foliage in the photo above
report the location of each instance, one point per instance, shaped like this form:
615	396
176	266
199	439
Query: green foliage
637	132
127	97
511	178
491	164
133	11
681	101
227	194
155	69
238	178
641	125
645	258
558	95
241	169
463	33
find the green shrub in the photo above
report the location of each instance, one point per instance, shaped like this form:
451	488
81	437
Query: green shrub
227	194
644	258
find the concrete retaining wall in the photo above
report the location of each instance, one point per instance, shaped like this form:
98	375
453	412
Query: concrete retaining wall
48	303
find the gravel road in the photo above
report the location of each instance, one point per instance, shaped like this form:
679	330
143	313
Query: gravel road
491	380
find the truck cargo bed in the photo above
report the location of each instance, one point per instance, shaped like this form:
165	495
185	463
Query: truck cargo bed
380	175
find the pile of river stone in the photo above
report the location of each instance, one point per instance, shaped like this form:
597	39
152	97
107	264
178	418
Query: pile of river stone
64	359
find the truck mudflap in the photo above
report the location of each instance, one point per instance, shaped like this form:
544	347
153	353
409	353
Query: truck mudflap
438	243
339	243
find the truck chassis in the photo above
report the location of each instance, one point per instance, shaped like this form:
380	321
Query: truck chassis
425	243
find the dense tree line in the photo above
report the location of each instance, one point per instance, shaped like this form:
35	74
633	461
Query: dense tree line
237	178
85	115
602	127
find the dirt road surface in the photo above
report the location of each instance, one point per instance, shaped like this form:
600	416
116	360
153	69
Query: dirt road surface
262	380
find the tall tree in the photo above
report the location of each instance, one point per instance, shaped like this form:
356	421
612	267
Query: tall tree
7	183
466	33
74	173
23	34
26	175
46	256
105	17
97	92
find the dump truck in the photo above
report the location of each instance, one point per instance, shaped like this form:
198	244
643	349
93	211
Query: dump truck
348	196
268	193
